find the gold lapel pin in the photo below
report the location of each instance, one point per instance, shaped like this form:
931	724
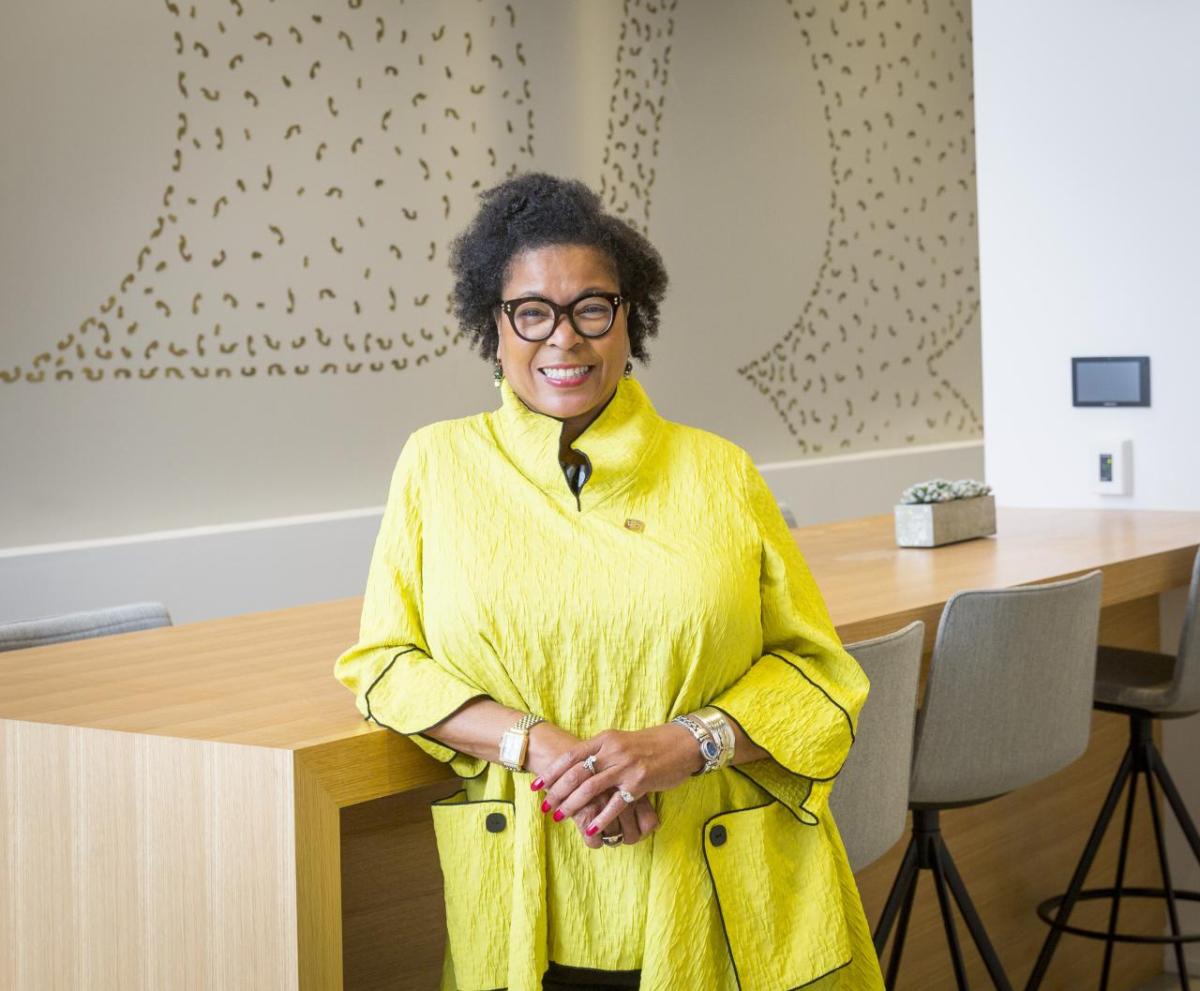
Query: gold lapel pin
635	525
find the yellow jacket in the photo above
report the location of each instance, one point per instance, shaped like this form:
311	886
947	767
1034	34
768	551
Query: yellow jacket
490	577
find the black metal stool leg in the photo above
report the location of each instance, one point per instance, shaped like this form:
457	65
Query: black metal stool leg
1085	863
1145	759
893	970
974	924
1120	879
939	881
1177	806
1172	910
900	885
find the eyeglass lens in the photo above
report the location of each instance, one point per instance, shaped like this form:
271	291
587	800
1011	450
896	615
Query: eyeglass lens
591	316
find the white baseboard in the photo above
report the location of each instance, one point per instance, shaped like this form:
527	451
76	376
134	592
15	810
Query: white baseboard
212	571
198	574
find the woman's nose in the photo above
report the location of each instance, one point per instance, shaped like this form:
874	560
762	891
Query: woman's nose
564	334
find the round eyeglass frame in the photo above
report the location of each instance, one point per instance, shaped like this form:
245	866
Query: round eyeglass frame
509	306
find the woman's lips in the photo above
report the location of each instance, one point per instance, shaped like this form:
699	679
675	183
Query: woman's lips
567	383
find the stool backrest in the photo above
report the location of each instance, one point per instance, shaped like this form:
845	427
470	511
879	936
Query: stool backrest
1008	700
1185	694
82	625
869	799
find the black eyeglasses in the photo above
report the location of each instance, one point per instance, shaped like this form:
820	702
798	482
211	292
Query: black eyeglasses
534	318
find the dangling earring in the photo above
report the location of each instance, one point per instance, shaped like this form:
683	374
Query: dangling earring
497	375
628	368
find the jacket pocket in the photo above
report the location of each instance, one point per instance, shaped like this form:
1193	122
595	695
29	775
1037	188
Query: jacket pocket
475	849
779	897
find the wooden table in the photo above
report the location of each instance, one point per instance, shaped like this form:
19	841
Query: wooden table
201	806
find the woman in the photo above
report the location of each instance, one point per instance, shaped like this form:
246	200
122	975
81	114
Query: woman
599	618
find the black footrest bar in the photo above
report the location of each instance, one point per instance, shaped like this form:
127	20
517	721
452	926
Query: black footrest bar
1046	908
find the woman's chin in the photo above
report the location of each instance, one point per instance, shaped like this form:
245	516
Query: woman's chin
568	407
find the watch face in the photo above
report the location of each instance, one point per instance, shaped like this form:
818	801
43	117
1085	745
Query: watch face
510	749
709	749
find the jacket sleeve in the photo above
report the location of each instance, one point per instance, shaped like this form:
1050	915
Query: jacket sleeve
800	700
396	682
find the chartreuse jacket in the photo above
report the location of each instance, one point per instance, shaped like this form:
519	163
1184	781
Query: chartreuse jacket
669	582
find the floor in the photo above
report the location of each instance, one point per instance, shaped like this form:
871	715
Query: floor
1167	982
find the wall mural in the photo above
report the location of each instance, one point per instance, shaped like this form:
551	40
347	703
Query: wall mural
898	282
321	162
635	110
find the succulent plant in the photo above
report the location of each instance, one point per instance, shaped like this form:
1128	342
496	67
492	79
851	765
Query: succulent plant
943	490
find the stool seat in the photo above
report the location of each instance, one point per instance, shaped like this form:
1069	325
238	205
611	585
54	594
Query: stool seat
1138	678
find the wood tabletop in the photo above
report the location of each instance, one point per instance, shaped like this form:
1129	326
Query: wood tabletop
865	577
266	679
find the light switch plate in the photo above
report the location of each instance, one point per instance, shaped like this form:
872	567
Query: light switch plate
1112	467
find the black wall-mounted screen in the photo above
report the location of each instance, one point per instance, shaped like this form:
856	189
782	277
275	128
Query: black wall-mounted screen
1110	381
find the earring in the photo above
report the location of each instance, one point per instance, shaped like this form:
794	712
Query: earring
497	374
628	368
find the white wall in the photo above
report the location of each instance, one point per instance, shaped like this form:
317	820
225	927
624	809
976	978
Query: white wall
1088	151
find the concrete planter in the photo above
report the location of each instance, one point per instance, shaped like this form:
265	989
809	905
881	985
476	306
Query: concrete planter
936	523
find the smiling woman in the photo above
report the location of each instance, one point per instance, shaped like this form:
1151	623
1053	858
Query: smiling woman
563	358
571	595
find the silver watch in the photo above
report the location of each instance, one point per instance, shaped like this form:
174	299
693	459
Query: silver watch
515	742
710	746
717	724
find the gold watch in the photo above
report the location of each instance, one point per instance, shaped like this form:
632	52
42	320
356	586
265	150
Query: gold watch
515	742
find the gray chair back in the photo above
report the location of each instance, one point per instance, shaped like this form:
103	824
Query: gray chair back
1184	695
1008	700
869	798
82	625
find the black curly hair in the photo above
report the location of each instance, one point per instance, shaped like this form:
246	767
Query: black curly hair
533	210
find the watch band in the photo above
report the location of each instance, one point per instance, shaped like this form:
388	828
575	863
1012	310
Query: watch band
717	724
515	741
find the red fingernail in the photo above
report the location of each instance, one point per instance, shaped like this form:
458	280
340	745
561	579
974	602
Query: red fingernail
545	806
592	830
558	815
534	786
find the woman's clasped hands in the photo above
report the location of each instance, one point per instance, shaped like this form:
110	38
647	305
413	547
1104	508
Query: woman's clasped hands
636	762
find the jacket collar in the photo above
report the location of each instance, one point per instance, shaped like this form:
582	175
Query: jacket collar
615	442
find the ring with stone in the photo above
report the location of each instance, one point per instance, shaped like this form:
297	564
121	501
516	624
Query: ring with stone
612	840
629	799
590	763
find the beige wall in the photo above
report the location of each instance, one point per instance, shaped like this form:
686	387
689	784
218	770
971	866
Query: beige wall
807	172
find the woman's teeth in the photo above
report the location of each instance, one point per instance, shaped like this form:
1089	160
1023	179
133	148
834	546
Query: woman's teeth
566	374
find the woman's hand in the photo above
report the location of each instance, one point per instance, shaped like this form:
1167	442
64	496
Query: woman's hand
547	744
639	761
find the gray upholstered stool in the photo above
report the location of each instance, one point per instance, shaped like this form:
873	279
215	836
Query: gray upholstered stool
1007	702
869	799
1143	686
81	625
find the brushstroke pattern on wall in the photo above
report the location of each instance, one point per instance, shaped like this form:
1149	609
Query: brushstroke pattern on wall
321	163
897	287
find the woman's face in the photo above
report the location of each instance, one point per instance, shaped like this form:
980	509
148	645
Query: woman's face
562	273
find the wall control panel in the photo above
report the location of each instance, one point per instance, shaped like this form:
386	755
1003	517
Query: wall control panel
1111	464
